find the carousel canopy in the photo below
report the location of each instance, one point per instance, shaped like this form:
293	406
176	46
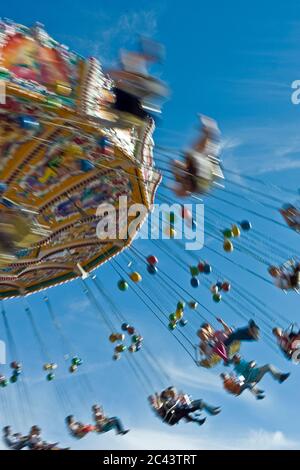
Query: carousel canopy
59	161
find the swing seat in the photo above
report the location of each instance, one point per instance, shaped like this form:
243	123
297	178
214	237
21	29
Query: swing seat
295	343
84	432
232	387
215	359
295	357
216	169
294	349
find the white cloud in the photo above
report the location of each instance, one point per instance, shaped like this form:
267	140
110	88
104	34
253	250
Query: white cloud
193	438
230	143
262	150
124	31
189	377
121	31
282	165
260	439
78	305
262	89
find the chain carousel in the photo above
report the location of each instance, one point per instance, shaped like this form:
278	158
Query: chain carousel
61	157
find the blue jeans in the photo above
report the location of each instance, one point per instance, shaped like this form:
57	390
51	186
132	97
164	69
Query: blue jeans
241	334
113	423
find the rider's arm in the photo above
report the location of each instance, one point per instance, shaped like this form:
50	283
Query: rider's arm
225	326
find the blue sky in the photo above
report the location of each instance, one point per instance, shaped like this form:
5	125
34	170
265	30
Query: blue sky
235	62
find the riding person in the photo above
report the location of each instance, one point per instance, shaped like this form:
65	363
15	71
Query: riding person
236	385
201	163
77	429
288	342
35	441
104	424
287	276
291	215
14	441
252	374
135	90
172	407
219	341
